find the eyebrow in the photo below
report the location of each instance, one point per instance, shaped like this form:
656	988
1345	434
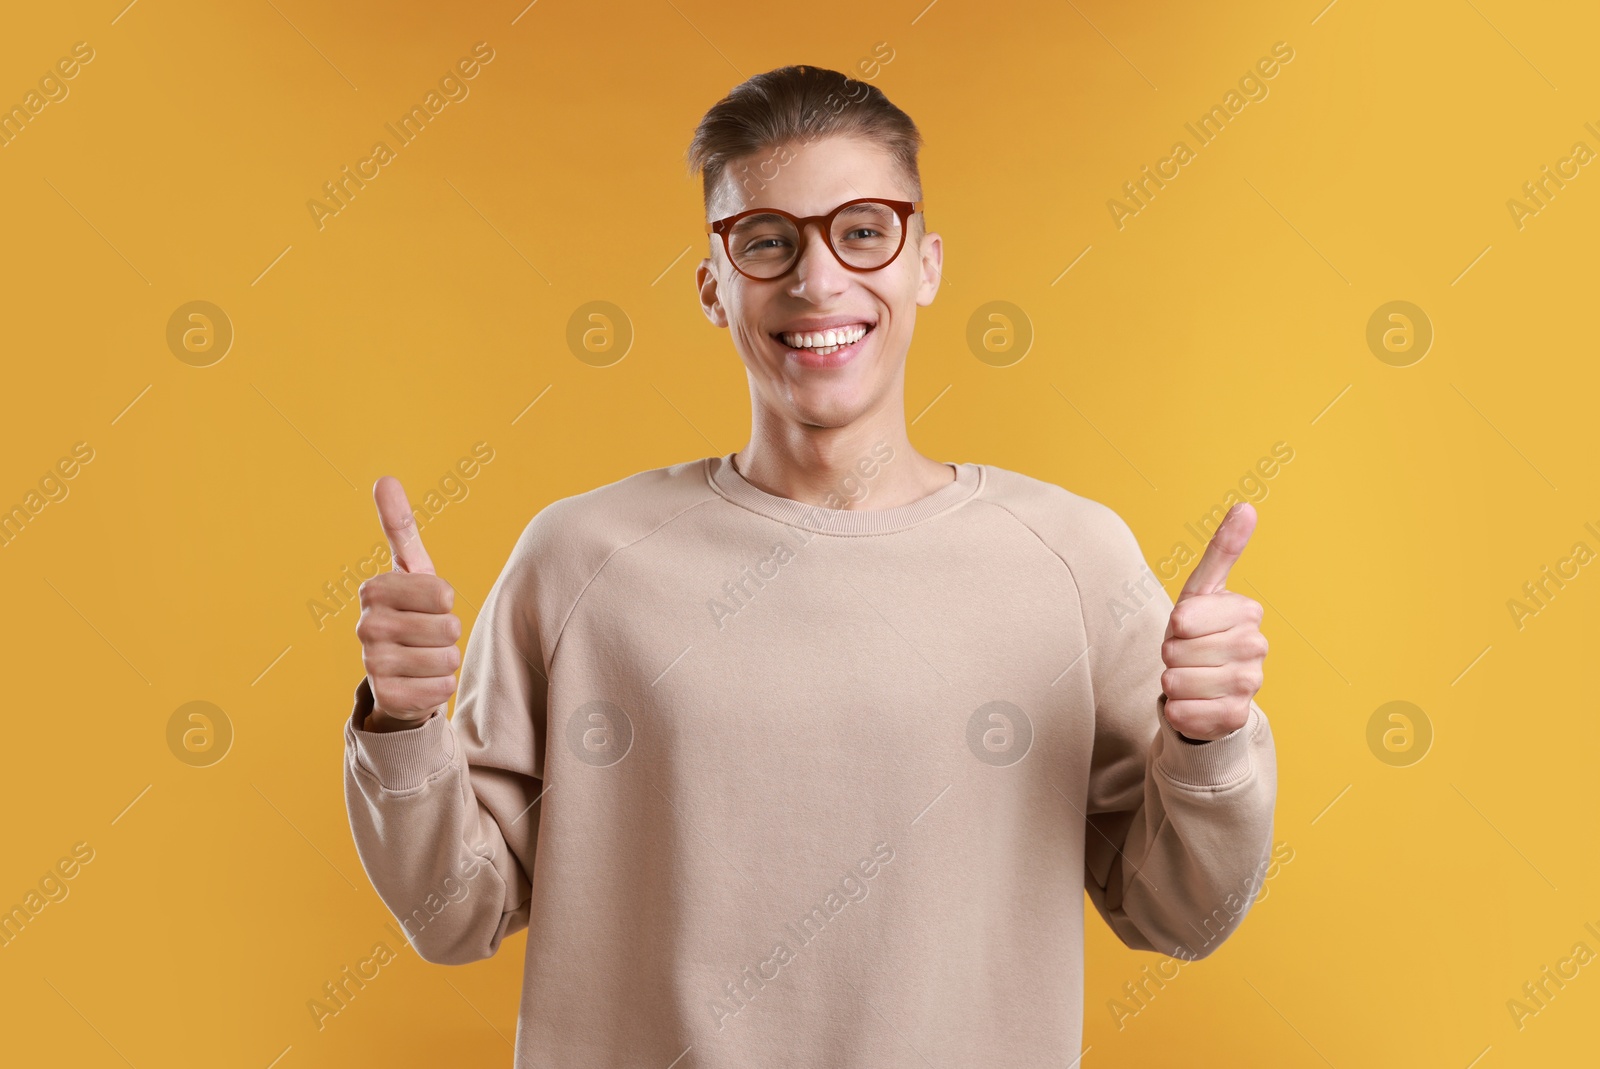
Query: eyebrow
770	210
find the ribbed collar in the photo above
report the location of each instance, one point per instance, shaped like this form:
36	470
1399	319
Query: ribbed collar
725	479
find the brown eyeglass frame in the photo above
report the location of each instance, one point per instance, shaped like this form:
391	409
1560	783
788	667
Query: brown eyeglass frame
903	208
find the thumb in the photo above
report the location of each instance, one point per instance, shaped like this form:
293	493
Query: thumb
400	527
1224	548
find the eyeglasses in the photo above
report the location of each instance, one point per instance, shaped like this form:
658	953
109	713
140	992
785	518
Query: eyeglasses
864	234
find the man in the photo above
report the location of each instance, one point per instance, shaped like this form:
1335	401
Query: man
804	755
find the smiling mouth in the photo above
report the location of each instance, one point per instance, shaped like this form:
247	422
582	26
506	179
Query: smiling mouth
823	342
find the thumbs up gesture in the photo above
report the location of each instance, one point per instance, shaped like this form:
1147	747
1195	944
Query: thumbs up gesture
1214	647
408	633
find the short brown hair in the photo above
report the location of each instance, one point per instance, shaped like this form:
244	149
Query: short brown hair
798	104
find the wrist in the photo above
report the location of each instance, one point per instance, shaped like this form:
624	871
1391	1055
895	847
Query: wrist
379	721
1161	703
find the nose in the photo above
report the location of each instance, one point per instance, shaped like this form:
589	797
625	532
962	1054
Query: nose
817	270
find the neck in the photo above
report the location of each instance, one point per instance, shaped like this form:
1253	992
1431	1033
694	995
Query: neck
860	466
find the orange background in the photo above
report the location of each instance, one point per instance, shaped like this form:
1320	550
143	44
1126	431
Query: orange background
1229	314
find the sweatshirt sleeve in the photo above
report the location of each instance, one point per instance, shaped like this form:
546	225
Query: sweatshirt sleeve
1179	834
445	816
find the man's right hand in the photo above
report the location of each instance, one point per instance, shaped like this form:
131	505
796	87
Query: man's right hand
408	633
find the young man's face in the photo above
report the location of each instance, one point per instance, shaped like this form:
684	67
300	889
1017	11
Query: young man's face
795	386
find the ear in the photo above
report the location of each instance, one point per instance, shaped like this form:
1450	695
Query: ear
707	282
932	254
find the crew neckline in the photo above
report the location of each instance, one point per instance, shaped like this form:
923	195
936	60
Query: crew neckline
725	479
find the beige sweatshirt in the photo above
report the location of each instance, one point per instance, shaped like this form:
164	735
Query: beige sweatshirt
774	785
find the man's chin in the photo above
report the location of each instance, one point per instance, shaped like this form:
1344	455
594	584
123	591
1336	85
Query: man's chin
820	398
814	407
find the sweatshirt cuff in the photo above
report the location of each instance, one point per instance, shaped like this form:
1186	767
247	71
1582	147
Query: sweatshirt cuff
398	760
1215	763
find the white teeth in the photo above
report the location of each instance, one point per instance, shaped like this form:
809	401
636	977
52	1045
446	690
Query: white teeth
825	338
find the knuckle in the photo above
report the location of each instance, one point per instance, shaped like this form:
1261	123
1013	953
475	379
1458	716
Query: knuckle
372	591
373	628
1169	649
379	662
1169	681
1180	620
